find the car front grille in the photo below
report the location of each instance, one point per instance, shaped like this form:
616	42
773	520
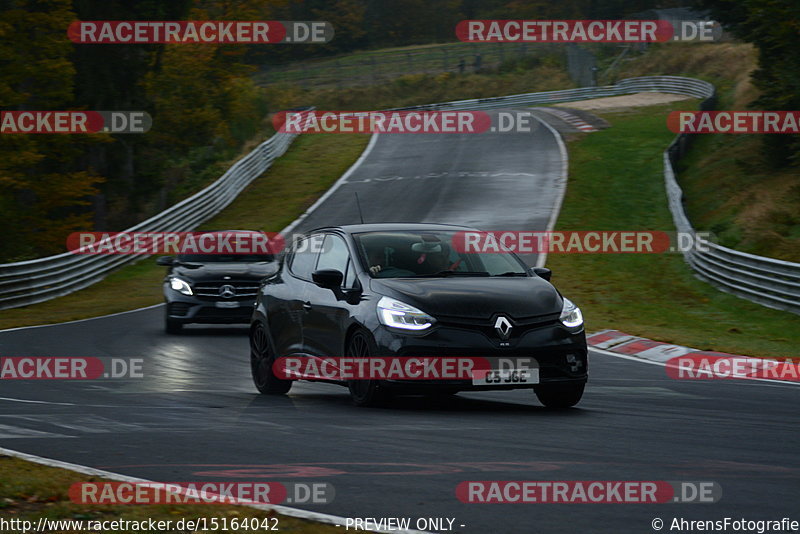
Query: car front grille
486	326
242	289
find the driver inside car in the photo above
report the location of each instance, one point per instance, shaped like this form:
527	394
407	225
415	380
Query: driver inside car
381	267
433	258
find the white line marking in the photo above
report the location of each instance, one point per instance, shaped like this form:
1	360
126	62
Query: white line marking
9	399
19	432
342	179
91	471
662	364
542	257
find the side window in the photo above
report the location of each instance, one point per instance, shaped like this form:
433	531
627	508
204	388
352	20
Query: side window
304	257
334	254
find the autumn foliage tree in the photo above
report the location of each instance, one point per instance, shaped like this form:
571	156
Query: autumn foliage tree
45	188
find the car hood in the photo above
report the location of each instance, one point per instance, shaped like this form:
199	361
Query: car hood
199	272
474	297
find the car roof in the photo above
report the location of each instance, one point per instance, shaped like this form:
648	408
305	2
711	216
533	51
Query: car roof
390	227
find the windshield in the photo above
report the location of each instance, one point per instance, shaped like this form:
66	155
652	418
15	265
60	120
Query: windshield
412	254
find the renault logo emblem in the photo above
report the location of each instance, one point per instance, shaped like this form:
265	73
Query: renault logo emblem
227	291
503	327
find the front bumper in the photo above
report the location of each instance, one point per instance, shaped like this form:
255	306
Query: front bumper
559	353
188	309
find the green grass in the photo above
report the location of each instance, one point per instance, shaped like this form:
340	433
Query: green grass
271	202
31	491
616	183
731	191
728	186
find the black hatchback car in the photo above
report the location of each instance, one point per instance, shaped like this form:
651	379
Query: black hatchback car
404	290
213	288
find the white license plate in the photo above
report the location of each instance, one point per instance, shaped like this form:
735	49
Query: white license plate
505	377
226	304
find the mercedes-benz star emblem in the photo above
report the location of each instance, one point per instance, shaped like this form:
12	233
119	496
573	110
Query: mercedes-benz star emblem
503	327
227	291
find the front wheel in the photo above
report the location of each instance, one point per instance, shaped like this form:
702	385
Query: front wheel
364	392
560	396
171	326
261	359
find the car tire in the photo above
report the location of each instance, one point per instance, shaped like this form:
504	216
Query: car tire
261	359
171	326
364	392
560	396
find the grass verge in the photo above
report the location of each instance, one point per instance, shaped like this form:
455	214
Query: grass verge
728	185
732	192
616	183
272	201
32	491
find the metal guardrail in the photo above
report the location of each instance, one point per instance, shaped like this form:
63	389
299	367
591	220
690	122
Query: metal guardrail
768	281
665	84
32	281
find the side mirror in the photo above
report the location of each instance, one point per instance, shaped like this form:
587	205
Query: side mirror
542	272
166	261
328	278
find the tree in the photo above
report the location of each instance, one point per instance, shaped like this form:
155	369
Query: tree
774	28
44	191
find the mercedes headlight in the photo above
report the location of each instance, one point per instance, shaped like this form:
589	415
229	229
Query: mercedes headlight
398	314
571	315
180	285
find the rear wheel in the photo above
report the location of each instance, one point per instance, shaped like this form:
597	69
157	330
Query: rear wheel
560	396
261	359
364	392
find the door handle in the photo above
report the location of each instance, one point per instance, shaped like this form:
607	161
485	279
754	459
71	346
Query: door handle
307	306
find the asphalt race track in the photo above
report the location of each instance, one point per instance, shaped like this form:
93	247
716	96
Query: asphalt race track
492	181
196	416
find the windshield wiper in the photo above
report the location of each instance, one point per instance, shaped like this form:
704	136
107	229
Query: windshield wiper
448	272
511	273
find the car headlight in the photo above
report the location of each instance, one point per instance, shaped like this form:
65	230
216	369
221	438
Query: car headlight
180	285
398	314
571	315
